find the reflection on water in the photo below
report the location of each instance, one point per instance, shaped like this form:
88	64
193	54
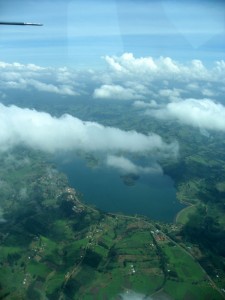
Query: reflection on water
152	195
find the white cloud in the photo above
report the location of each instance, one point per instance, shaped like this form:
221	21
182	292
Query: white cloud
203	113
114	65
173	95
115	92
129	77
126	166
219	68
163	68
44	87
42	131
207	92
193	86
128	63
135	79
18	76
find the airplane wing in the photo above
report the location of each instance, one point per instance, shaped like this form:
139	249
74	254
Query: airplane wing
20	23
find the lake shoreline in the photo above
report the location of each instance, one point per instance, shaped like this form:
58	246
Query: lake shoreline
151	196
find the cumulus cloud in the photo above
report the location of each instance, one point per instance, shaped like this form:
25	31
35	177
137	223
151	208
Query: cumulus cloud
139	80
107	91
18	76
126	78
159	78
163	68
173	95
207	92
193	86
40	130
126	166
128	63
203	113
51	88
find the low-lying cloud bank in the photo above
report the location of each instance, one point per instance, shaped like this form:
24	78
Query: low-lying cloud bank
203	113
125	77
124	165
61	81
162	78
162	87
40	130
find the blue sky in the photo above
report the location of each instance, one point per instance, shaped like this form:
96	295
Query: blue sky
78	33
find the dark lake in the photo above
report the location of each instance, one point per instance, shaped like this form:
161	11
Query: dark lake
153	196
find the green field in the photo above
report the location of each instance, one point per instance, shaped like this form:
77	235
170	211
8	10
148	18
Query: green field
55	247
183	215
132	259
